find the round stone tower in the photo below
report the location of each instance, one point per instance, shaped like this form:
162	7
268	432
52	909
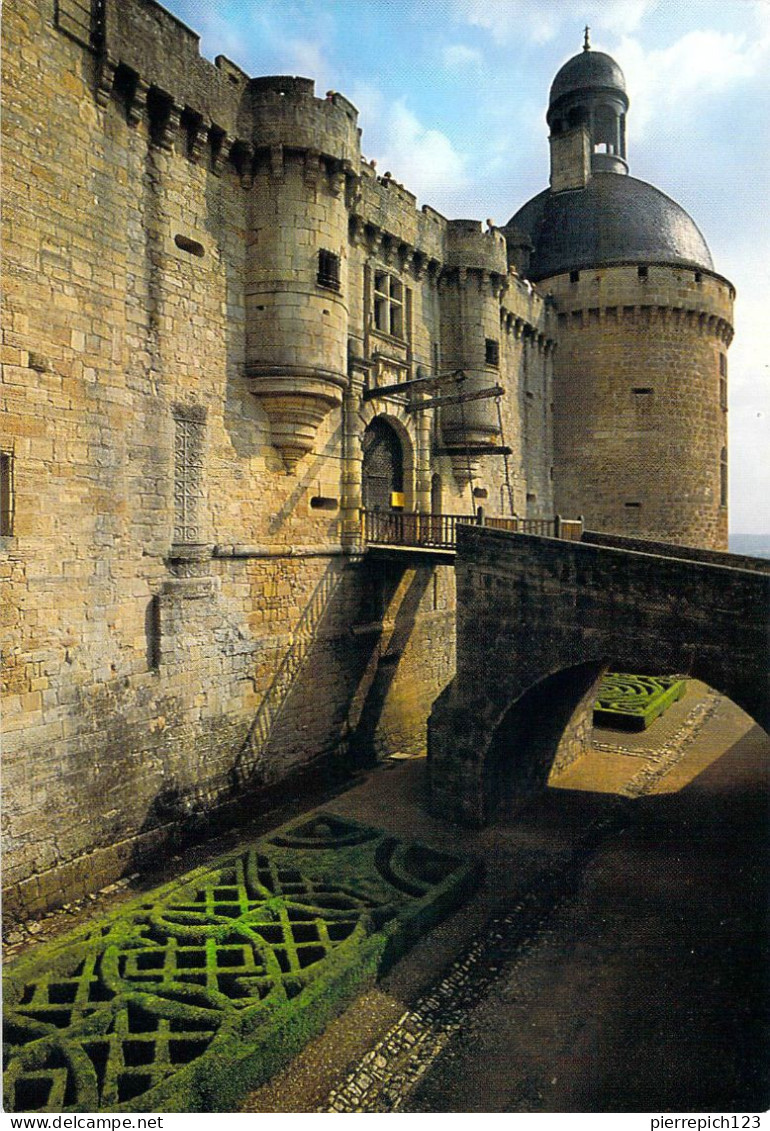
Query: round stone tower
644	323
475	272
305	158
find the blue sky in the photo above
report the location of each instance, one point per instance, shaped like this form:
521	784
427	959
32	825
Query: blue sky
452	97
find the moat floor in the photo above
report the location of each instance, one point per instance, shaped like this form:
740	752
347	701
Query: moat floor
633	976
614	958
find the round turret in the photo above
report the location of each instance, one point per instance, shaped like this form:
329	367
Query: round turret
306	155
476	267
643	327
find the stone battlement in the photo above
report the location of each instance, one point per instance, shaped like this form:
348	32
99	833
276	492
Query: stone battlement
650	292
469	246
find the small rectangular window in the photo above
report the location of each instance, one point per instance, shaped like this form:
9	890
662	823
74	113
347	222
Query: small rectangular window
328	270
642	272
574	276
491	352
6	494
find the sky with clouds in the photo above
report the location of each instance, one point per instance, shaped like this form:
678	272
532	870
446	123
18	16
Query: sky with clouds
452	97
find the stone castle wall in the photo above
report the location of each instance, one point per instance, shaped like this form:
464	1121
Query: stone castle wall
640	409
188	619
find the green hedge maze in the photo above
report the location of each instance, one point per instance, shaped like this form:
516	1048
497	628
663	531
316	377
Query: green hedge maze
188	997
632	702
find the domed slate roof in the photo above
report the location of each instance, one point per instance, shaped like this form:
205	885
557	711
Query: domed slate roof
614	219
590	70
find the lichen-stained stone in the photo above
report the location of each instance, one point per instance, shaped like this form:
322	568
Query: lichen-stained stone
204	988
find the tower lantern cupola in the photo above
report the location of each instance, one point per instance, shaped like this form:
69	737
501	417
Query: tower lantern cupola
587	119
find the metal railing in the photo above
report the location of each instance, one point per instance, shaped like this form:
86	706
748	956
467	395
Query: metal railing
396	528
439	531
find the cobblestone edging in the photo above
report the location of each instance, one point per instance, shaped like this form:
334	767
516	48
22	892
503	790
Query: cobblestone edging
384	1077
676	745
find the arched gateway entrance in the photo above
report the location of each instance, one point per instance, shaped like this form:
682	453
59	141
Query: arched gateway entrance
383	467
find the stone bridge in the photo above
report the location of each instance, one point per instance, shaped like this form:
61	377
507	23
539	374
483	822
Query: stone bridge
538	623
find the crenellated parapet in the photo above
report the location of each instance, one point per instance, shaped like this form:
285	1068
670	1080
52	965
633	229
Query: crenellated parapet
388	220
141	41
285	113
471	248
525	311
649	294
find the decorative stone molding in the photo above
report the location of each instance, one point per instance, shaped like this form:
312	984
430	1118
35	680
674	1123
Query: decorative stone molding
295	400
189	438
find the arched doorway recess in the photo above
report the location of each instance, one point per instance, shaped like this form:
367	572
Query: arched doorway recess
383	467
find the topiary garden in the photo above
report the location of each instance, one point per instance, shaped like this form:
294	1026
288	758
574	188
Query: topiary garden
191	995
632	702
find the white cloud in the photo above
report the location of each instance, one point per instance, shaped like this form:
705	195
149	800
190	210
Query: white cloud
457	56
305	58
509	20
679	77
422	159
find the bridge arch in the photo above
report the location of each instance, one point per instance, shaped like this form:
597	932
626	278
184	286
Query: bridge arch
532	610
545	729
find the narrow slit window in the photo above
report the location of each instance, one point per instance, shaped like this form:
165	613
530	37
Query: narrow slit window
6	494
192	247
723	382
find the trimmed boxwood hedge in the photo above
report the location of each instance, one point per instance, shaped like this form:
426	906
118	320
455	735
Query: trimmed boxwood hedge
632	702
188	997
